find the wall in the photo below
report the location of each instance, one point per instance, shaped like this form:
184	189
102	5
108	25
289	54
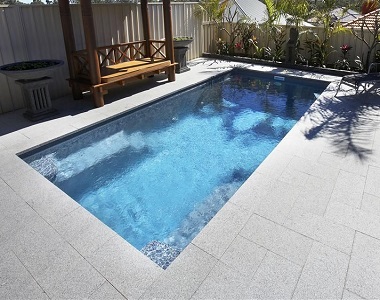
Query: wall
34	32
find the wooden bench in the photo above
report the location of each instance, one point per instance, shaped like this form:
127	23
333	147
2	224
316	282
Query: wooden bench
121	73
119	64
133	68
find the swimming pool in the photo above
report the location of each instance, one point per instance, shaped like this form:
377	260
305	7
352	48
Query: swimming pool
158	174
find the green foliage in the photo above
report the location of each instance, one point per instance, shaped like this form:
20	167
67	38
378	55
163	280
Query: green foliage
182	38
296	11
342	64
278	36
30	65
317	48
246	30
222	47
359	63
261	52
212	9
374	41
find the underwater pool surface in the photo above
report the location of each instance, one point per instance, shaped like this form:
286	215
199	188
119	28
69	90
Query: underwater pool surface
157	175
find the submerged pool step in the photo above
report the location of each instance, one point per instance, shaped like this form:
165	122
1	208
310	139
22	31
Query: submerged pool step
162	254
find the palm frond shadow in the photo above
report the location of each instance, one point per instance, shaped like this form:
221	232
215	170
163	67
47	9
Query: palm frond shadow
348	121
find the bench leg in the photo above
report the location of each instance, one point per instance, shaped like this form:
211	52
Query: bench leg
97	95
76	91
171	75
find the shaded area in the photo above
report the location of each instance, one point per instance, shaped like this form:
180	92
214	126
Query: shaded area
67	106
348	121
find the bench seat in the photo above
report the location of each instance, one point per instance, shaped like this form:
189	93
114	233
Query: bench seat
124	70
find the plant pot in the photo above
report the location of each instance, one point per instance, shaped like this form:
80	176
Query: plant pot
40	69
33	77
182	43
180	49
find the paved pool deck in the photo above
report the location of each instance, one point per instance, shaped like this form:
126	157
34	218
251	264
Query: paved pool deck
305	225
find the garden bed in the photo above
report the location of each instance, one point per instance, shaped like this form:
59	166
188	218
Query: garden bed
256	61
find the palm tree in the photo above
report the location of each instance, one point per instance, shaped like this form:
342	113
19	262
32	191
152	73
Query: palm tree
323	14
296	11
212	9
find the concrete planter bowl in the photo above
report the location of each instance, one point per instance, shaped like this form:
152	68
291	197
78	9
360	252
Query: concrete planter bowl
31	70
181	45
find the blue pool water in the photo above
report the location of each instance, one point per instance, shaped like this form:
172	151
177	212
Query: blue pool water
158	175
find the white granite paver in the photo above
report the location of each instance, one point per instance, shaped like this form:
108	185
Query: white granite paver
275	279
106	291
324	274
174	283
306	224
224	282
349	189
278	239
321	229
222	230
127	269
372	185
363	275
371	204
15	280
244	256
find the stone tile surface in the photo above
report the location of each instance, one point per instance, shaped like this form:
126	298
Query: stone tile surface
314	196
276	278
372	184
278	239
324	274
127	269
371	204
354	218
219	233
347	295
363	275
244	256
278	202
250	194
106	291
69	281
348	189
224	283
321	229
15	280
83	231
176	284
350	163
306	165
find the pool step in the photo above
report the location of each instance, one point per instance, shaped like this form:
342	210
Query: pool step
162	254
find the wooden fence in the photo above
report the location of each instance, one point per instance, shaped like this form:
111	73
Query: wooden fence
34	32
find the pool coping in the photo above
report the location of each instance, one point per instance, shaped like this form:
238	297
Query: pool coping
44	212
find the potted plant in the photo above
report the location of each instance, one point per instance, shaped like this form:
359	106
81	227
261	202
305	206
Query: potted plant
30	70
34	76
182	41
181	45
